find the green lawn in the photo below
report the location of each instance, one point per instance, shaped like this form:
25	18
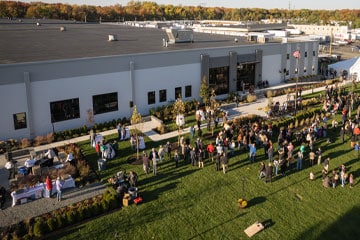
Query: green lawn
192	203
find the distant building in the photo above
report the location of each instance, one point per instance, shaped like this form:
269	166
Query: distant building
338	32
52	79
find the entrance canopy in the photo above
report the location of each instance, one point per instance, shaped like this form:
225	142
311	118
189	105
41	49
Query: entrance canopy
351	66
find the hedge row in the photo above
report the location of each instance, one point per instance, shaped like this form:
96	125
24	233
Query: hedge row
63	217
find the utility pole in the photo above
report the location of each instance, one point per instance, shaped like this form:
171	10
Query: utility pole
331	40
296	54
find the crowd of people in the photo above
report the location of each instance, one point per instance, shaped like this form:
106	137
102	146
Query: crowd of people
294	150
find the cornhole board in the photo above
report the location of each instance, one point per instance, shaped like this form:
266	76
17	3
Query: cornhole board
254	229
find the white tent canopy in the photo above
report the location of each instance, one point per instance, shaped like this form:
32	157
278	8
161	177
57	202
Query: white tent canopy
355	70
351	66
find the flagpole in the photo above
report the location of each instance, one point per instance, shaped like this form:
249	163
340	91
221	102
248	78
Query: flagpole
296	85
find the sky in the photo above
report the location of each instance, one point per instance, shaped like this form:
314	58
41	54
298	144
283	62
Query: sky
267	4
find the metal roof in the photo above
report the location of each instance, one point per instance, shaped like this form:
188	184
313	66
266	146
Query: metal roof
26	41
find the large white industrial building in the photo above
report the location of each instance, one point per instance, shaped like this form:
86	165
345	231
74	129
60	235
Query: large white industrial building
50	79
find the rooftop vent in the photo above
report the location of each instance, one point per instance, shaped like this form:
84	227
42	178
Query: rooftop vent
38	24
112	38
62	29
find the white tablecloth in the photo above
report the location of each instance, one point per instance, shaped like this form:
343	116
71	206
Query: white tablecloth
141	143
98	138
68	183
38	191
127	134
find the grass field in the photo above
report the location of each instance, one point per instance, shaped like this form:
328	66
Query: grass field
192	203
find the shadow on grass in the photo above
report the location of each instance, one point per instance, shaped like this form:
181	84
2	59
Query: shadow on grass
255	201
345	227
217	226
165	177
154	194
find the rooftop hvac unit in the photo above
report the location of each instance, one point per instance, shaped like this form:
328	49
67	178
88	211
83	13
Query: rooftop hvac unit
112	38
62	29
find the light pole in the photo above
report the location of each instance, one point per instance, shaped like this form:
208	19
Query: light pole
296	54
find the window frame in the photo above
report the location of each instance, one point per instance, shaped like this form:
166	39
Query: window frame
187	93
59	105
151	100
178	89
162	95
107	102
18	123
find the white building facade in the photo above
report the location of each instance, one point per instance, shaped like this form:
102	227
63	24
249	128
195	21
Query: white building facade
47	96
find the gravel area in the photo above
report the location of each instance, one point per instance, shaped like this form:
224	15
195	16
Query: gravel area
12	215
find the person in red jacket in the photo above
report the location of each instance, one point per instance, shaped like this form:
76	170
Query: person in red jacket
210	149
49	186
97	148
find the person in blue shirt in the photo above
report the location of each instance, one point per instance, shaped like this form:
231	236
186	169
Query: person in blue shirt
357	148
252	152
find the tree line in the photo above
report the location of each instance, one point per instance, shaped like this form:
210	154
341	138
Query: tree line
136	10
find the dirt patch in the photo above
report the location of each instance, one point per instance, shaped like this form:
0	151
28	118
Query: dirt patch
135	161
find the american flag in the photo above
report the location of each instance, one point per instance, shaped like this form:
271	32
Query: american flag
296	54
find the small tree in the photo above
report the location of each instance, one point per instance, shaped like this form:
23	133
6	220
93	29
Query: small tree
214	104
204	91
90	117
269	95
136	121
179	110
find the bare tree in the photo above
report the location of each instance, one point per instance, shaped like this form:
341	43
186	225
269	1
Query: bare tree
136	120
179	110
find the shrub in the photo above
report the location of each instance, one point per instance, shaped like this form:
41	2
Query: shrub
60	221
27	237
40	227
96	209
25	143
39	140
19	230
86	212
51	224
104	205
251	98
80	213
70	217
161	128
49	137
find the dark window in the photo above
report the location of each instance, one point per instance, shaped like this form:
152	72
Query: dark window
287	56
188	91
245	76
314	53
219	80
178	93
162	95
20	120
64	110
305	54
105	103
151	97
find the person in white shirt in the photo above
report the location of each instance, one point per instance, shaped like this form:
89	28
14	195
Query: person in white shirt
29	163
50	154
9	165
70	158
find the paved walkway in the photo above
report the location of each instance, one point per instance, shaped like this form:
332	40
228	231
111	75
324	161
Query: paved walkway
11	215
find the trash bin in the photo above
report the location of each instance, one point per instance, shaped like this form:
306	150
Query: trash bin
101	164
